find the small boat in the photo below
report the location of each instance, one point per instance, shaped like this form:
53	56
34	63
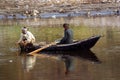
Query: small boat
85	44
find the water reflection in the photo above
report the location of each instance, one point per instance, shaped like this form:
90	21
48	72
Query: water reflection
88	54
28	62
69	63
69	57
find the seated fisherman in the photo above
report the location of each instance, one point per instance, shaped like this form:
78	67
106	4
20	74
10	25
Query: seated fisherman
68	35
27	38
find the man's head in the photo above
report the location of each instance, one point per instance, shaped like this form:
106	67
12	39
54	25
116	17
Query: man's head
24	30
65	26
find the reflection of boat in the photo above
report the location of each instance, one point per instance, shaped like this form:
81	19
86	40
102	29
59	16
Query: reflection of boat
68	57
76	46
88	54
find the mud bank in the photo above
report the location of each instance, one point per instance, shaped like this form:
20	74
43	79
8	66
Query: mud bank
67	14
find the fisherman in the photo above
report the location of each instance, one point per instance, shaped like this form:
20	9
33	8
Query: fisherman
68	35
27	38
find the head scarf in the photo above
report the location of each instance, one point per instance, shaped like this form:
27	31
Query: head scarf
24	28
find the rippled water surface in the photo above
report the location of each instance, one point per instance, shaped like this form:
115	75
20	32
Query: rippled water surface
101	63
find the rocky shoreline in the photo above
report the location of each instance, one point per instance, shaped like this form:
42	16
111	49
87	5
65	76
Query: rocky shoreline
63	10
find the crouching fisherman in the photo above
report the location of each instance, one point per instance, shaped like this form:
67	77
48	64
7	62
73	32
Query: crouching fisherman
26	40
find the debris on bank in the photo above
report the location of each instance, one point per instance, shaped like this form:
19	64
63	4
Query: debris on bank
22	9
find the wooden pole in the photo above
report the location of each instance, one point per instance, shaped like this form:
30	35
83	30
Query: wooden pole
38	50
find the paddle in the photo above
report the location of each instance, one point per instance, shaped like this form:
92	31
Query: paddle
38	50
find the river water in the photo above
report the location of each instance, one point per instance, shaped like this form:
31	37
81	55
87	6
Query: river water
101	63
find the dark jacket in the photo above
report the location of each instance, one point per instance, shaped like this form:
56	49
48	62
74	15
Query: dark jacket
68	37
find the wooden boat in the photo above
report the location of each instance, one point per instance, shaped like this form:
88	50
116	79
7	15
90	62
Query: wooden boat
76	46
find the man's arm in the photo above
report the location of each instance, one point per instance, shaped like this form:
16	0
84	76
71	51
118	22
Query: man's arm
64	39
21	36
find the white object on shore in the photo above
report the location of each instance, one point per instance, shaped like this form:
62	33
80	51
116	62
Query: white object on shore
54	16
10	61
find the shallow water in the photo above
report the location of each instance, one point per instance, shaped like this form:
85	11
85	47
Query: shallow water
100	64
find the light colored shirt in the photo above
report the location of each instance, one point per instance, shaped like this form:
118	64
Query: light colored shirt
28	37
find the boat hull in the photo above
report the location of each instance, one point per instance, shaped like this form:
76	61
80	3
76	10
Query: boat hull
77	46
